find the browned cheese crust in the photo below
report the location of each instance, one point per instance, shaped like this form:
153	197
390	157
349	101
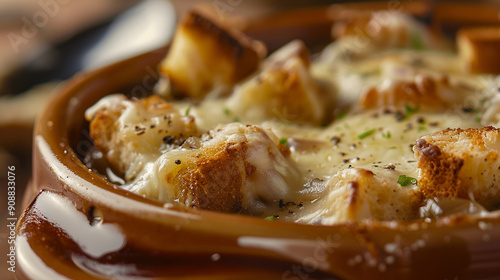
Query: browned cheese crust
367	26
423	91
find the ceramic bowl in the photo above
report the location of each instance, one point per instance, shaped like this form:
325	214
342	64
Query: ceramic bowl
77	225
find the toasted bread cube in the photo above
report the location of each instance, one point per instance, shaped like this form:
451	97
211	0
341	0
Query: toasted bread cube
284	90
422	91
357	194
234	168
463	163
205	56
130	133
479	48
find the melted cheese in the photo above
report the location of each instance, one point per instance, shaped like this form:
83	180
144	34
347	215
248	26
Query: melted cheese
349	169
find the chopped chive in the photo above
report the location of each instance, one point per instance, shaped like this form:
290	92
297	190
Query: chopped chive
416	41
478	119
270	218
393	147
283	141
421	128
188	110
386	135
236	119
366	133
410	110
341	115
404	180
227	112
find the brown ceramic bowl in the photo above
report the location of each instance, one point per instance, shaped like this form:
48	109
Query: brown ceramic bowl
79	226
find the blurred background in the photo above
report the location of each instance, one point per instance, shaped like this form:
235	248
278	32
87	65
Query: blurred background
45	42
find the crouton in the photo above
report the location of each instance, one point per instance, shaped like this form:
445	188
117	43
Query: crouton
461	163
357	194
423	91
131	132
284	90
205	57
235	168
478	48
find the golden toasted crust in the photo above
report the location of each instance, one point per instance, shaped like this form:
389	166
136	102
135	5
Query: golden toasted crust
479	49
235	168
294	49
358	194
213	181
102	128
461	163
379	28
126	141
425	91
205	56
369	32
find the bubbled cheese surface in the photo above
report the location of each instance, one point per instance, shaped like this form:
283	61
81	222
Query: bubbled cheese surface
348	169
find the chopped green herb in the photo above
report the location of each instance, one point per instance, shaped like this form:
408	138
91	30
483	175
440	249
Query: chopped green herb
404	180
478	119
416	41
227	112
410	110
341	115
270	218
188	110
393	147
283	141
421	128
366	133
386	135
236	119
